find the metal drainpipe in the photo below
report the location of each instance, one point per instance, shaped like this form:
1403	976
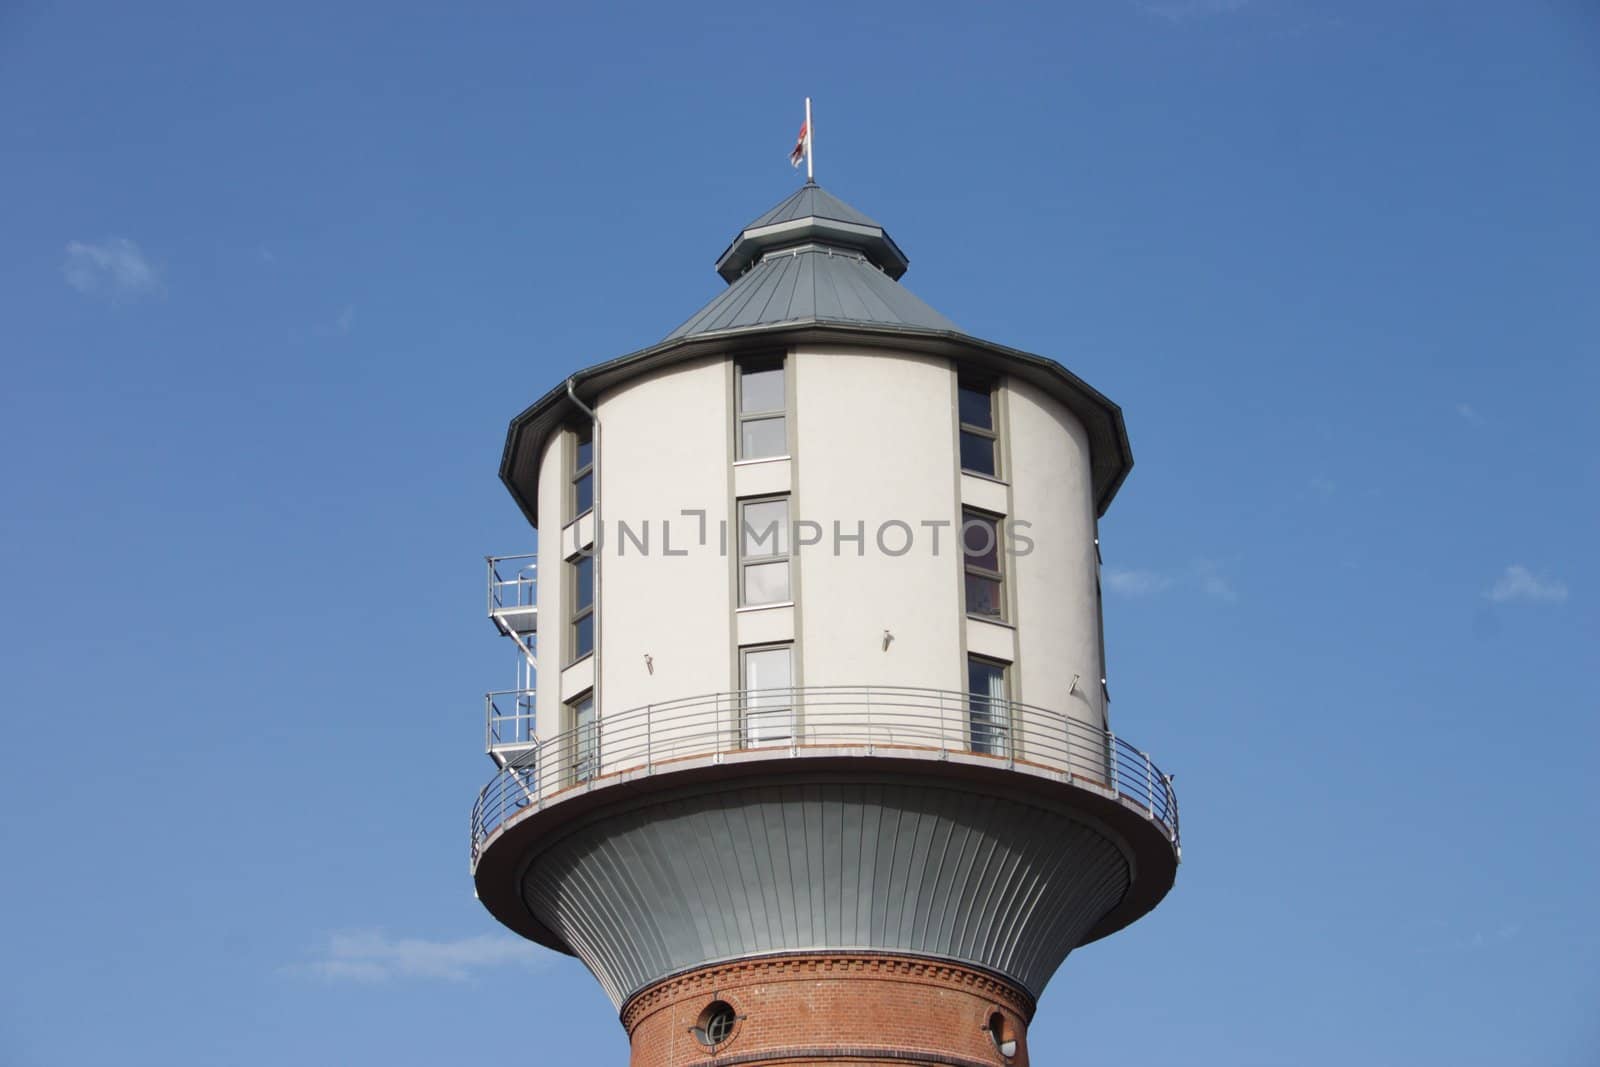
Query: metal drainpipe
599	616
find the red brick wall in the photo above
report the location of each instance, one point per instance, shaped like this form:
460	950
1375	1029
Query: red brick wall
866	1010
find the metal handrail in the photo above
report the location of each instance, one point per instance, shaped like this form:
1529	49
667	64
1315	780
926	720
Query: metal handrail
818	720
509	718
518	587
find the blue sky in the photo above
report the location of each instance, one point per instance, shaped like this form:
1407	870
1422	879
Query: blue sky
274	282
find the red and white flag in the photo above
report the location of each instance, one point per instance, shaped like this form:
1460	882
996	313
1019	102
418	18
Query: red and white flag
799	151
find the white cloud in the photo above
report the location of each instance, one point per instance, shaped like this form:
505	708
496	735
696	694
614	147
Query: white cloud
1519	583
1206	575
374	956
1130	582
1470	413
114	267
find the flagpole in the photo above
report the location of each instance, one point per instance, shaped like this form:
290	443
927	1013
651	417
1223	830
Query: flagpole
808	140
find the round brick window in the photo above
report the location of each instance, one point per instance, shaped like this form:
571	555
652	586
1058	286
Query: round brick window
1003	1036
715	1024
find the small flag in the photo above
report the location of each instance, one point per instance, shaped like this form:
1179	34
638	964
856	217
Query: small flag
799	151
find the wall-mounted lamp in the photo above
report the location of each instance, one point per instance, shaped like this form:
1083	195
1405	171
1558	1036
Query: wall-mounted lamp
1073	688
649	663
887	638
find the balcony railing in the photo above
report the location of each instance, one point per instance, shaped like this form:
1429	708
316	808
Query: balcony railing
812	721
509	720
514	593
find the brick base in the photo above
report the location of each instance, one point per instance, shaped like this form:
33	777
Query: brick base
864	1010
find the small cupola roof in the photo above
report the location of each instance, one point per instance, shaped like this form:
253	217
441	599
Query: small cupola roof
812	259
812	214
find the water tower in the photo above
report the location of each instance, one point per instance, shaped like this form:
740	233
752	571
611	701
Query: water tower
818	767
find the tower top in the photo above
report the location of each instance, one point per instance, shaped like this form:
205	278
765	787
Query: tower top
815	269
812	214
813	259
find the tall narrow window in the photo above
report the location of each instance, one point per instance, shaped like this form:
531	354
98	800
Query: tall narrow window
980	547
762	408
583	470
764	551
583	747
767	680
988	708
979	438
580	578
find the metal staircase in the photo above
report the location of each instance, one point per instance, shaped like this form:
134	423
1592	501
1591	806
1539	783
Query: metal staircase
509	734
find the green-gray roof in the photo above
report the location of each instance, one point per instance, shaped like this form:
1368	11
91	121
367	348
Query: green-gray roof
813	258
813	283
810	200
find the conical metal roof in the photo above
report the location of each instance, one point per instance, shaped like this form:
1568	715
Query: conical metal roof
811	200
813	258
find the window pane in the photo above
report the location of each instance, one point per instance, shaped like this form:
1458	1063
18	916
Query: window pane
977	453
976	406
766	583
980	541
583	494
767	679
985	678
767	668
983	596
761	387
766	529
585	453
759	438
987	711
583	637
583	582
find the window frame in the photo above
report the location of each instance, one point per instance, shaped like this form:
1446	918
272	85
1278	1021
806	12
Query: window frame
971	570
576	473
771	361
582	759
994	727
785	538
745	708
991	387
576	612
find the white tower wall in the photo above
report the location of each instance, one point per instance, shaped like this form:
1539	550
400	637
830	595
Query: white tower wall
873	445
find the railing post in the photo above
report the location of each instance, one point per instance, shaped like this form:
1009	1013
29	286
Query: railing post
649	748
1011	736
868	691
1066	740
944	740
1111	762
1149	787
